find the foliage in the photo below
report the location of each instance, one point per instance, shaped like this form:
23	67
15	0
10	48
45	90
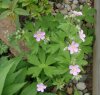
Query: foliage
57	46
3	48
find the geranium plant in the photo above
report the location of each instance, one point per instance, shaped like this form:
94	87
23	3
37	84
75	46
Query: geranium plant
56	49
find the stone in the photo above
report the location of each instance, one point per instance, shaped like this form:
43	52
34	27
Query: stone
81	7
74	6
67	1
75	2
68	7
64	11
58	5
82	1
69	90
85	91
51	3
87	94
81	86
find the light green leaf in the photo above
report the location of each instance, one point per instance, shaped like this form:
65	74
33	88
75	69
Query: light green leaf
12	89
29	90
50	60
21	11
35	71
3	73
76	92
33	59
5	14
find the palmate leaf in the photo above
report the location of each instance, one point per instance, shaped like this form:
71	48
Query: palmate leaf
50	60
87	49
53	48
88	41
50	71
34	71
63	57
81	62
33	59
70	30
42	56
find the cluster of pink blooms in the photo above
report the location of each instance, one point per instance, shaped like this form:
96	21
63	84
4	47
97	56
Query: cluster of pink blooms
41	87
39	35
74	48
74	70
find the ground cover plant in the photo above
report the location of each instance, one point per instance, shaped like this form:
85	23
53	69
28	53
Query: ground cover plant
54	48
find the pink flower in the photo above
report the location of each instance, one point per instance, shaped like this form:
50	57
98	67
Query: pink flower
74	70
73	47
82	35
39	35
41	87
77	13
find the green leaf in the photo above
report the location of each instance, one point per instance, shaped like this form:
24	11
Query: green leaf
15	62
88	41
82	62
50	60
3	74
20	78
50	71
20	11
33	59
76	92
42	56
14	4
12	77
35	71
87	49
5	14
53	48
5	4
29	90
46	94
12	89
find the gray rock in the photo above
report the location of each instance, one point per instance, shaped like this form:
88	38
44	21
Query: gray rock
81	86
85	91
51	3
67	1
58	5
75	2
74	6
82	1
64	11
68	8
87	94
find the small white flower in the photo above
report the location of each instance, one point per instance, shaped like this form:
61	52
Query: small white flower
82	35
77	13
41	87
